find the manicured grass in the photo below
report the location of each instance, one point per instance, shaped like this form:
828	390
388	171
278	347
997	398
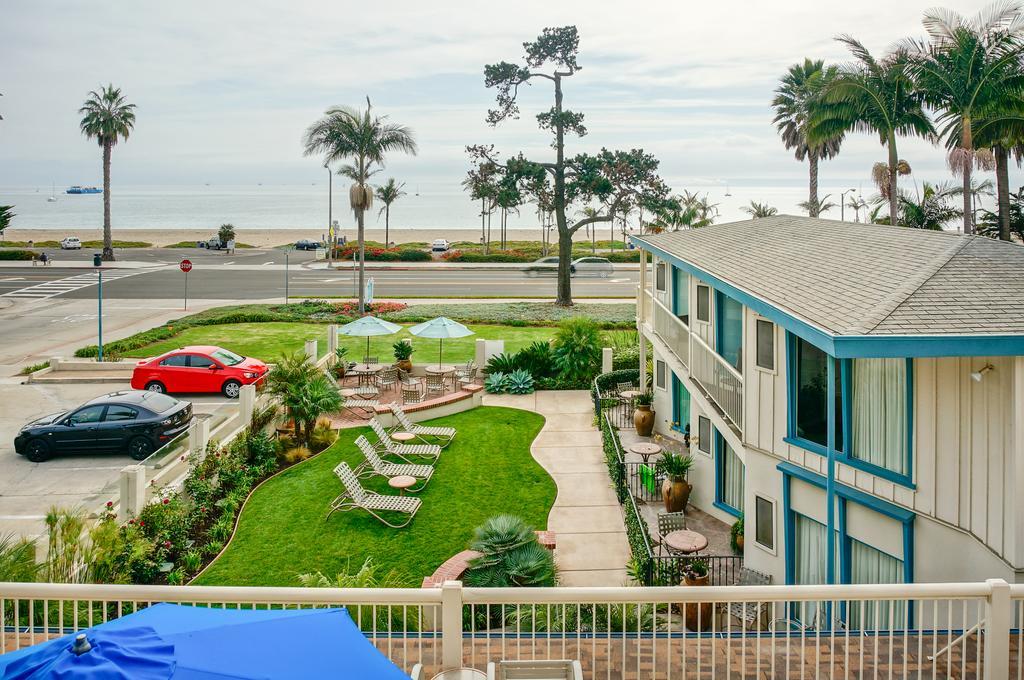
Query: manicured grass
486	471
85	244
268	340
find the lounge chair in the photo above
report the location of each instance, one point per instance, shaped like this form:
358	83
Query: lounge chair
368	406
535	670
376	466
390	446
356	497
446	434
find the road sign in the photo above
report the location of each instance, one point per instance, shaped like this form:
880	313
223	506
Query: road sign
186	266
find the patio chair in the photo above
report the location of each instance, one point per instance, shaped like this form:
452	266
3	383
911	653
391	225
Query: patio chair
535	670
464	369
624	387
356	497
750	615
367	360
411	394
446	434
435	383
390	446
376	466
407	378
667	523
467	378
387	377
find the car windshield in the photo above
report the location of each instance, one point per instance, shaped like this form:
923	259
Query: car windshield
226	357
159	403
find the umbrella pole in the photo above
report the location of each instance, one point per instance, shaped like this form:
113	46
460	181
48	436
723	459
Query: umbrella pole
367	355
440	344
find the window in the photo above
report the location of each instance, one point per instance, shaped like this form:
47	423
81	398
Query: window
869	565
765	355
118	412
179	360
199	361
729	478
680	406
729	330
681	294
89	414
879	423
764	522
230	358
810	565
704	434
809	397
703	303
659	374
659	277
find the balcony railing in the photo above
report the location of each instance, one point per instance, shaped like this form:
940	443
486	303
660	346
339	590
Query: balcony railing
722	382
671	329
933	630
644	303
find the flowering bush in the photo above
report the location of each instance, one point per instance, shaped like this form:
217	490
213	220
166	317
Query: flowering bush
493	256
381	254
351	308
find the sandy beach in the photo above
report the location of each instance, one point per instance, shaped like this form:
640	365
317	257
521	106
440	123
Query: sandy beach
269	238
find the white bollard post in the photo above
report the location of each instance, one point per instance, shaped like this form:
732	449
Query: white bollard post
247	402
451	625
54	363
606	360
311	350
332	338
480	355
198	435
132	489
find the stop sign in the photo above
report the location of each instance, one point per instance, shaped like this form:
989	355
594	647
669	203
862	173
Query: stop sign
186	266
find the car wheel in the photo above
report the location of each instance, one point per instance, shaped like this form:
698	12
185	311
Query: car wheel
140	448
37	451
231	389
156	386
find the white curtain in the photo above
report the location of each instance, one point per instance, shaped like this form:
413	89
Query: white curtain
810	565
879	427
868	565
732	478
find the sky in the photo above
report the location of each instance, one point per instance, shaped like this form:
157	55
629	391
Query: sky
225	89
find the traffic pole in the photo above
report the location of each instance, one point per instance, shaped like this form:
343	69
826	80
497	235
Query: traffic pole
286	277
186	291
99	307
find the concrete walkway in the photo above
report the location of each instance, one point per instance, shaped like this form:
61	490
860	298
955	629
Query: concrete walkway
592	547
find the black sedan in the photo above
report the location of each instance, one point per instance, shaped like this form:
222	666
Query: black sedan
306	244
137	422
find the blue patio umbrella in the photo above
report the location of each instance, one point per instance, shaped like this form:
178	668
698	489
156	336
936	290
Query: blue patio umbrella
442	327
369	326
175	642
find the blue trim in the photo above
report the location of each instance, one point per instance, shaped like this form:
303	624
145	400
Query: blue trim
830	480
719	502
853	346
678	423
791	401
856	495
789	528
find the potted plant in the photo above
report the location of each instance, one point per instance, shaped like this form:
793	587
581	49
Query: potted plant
403	352
736	536
643	417
675	490
341	362
697	615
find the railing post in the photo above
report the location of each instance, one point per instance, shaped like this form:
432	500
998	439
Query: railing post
451	625
998	620
198	435
132	490
332	338
311	350
606	360
246	403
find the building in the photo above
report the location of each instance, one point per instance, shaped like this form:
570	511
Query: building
856	390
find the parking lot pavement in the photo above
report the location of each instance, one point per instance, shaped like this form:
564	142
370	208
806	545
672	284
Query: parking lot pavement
28	490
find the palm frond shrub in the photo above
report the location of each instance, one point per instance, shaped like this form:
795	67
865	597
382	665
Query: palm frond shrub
369	575
577	349
538	359
510	556
519	381
501	363
17	559
496	383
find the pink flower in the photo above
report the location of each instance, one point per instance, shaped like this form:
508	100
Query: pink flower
110	504
166	501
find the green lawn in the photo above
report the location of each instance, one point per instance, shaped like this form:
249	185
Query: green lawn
268	340
487	470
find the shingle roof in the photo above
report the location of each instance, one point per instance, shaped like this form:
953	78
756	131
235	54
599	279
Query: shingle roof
864	279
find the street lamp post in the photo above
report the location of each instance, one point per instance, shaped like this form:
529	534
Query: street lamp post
330	214
842	204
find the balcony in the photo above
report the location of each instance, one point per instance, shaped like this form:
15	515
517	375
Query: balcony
722	383
673	332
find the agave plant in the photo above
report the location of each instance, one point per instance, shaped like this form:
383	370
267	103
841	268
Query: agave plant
496	383
501	363
519	381
510	556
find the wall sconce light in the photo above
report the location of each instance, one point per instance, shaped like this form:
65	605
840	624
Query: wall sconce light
978	375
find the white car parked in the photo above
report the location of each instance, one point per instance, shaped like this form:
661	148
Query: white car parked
440	245
71	243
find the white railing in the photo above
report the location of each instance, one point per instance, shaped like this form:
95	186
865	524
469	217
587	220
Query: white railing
968	630
722	382
644	304
671	329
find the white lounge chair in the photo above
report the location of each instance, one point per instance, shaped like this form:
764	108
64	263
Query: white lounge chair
535	670
399	450
446	434
376	466
356	496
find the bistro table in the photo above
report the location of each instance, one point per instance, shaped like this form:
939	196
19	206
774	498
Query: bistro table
461	674
403	482
365	372
403	436
645	450
630	394
444	370
685	541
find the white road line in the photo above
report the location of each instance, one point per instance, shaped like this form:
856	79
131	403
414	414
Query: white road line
56	287
266	263
229	262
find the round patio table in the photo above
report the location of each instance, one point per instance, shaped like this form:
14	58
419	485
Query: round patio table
365	372
461	674
403	436
402	482
685	541
441	369
630	394
645	450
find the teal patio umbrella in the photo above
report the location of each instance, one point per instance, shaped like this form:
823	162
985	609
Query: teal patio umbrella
442	327
369	326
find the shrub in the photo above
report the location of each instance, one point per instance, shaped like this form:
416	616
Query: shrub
500	363
519	382
538	359
322	437
296	454
226	233
17	255
493	256
510	556
402	350
381	254
496	383
577	349
17	559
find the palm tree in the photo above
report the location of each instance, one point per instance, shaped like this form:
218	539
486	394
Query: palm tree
874	95
856	203
6	215
796	103
388	194
965	71
510	556
309	400
347	134
815	207
107	118
757	210
291	370
932	209
991	224
882	176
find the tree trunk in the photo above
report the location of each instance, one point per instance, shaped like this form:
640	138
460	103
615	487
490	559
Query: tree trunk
387	225
1003	191
360	213
483	221
968	209
894	162
812	197
487	243
108	246
564	294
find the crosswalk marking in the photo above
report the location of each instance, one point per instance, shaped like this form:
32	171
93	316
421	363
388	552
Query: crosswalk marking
49	289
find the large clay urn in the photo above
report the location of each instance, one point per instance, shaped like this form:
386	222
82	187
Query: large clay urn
405	365
697	616
643	420
675	491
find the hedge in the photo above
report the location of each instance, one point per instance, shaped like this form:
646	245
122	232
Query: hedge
400	254
493	256
17	255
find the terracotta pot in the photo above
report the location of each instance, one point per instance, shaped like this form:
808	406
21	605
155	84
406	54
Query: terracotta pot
697	615
405	364
739	543
643	420
676	494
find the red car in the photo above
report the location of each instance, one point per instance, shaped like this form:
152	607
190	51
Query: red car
200	368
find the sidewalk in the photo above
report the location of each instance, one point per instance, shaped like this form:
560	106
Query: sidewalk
478	266
592	546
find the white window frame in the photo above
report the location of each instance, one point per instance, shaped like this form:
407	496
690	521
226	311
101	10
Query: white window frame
662	374
775	534
709	441
661	267
775	349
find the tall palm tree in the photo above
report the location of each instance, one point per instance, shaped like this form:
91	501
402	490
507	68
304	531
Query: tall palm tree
388	194
856	203
757	210
364	139
965	70
874	95
1003	132
796	102
108	118
6	215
